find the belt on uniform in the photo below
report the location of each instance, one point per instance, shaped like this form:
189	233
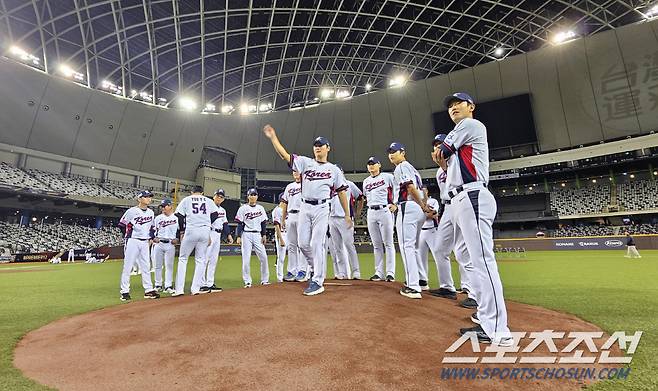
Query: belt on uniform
453	193
445	202
425	229
252	232
164	240
293	211
316	202
377	207
217	230
139	239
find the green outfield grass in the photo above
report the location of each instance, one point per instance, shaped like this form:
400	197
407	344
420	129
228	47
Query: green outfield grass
601	287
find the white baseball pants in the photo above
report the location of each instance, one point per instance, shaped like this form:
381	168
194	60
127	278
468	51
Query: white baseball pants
194	239
296	260
340	267
409	220
473	215
428	241
632	252
163	255
312	233
280	258
253	240
380	227
212	254
343	239
136	252
71	257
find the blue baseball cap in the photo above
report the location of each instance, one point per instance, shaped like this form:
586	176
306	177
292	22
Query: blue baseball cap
394	147
458	96
439	138
220	192
145	193
197	189
280	197
252	191
373	160
320	141
165	202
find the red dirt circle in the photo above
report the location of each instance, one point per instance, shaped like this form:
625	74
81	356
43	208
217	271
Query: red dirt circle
358	336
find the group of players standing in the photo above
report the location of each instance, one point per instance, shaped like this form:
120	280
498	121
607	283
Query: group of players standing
319	202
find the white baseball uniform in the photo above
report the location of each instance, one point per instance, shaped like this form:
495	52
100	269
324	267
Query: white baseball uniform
252	230
138	224
218	227
378	191
163	252
473	216
318	182
341	235
199	212
429	240
71	257
277	215
292	196
409	220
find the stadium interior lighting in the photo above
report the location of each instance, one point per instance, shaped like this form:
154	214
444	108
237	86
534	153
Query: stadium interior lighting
342	94
227	109
24	56
503	190
326	93
265	107
632	176
499	52
368	87
210	108
397	81
655	173
187	103
652	12
564	36
111	87
162	101
246	108
530	188
563	184
70	73
593	180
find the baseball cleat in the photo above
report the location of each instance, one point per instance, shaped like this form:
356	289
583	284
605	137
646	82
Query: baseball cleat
469	303
410	293
214	288
376	278
474	318
301	277
151	295
356	277
444	293
176	294
313	289
204	289
125	297
265	283
464	291
423	285
247	285
477	330
158	288
169	290
289	277
390	278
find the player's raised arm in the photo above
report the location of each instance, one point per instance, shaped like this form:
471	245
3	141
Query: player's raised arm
270	133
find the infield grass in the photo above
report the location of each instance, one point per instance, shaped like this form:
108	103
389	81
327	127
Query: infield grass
601	287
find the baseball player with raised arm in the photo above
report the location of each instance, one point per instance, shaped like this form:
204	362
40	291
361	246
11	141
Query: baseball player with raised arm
291	203
411	206
378	191
319	179
474	213
163	253
446	241
195	213
342	235
136	225
252	220
279	240
218	230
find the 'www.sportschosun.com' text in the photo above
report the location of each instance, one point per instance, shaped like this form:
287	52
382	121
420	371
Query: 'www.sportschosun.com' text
502	373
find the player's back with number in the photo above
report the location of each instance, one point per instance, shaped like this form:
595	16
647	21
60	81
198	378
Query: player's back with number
197	209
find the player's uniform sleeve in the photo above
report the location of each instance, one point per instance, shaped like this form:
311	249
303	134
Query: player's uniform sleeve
276	216
263	222
340	183
299	163
284	196
356	192
464	133
181	209
124	222
239	216
407	175
390	183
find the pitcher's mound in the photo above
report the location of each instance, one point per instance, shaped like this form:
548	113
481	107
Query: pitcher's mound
357	336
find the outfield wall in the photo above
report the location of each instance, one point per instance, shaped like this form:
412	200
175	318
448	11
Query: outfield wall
643	242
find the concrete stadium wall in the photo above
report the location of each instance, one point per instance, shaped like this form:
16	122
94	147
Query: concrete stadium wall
596	88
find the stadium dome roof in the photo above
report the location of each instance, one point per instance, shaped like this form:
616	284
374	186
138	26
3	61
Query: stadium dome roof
275	54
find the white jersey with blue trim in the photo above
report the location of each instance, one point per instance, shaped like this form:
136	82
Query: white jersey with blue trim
221	218
251	216
292	196
430	222
277	217
197	210
468	142
441	178
166	226
405	174
319	180
378	190
353	193
138	222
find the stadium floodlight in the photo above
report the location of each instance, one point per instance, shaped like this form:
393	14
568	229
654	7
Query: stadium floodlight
632	176
593	180
23	55
499	51
563	184
326	93
244	109
187	103
368	86
342	94
107	85
67	71
564	36
162	101
652	12
397	81
227	109
530	188
265	107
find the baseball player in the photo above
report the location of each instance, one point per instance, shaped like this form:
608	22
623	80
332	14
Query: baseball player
218	229
71	257
411	207
280	232
446	240
340	268
631	251
474	213
136	226
427	241
378	191
342	235
165	237
252	220
319	178
195	213
290	203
